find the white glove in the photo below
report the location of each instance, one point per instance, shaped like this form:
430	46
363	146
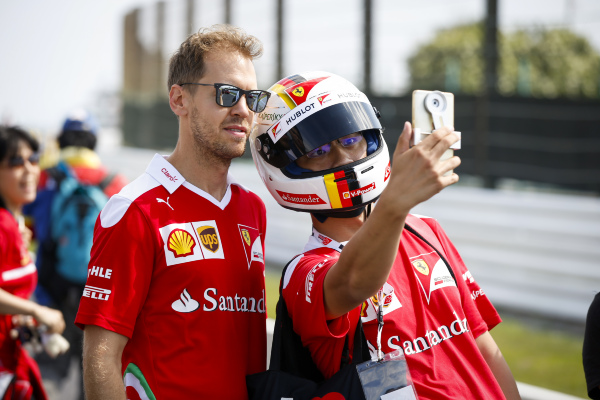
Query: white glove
54	344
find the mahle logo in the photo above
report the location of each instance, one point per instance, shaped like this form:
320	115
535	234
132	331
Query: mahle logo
208	238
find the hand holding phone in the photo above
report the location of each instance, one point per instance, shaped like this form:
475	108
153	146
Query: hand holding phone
432	110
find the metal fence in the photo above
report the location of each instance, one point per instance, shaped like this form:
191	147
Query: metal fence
554	142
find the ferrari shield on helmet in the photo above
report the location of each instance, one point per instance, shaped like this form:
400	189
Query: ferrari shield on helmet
305	112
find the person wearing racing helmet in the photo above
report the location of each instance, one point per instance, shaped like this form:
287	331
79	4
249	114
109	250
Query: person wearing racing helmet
318	147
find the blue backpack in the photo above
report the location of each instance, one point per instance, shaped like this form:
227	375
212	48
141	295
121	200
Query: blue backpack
74	210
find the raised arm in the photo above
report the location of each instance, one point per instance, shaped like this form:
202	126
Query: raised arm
102	350
363	267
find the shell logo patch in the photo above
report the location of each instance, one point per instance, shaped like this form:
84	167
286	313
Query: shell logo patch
208	238
181	243
421	266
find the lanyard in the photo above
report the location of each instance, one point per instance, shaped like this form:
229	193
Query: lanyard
380	300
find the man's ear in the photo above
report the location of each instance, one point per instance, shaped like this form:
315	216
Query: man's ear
177	100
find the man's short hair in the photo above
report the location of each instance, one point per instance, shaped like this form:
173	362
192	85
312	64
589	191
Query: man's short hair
77	139
187	63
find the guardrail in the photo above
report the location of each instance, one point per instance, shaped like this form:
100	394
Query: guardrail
531	252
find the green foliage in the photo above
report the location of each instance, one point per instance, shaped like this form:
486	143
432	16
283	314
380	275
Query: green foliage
540	63
272	291
542	356
462	44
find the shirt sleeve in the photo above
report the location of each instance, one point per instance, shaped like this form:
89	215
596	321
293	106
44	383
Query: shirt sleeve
480	312
303	296
119	273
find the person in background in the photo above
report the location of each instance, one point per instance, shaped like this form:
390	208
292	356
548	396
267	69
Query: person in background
70	197
591	349
174	304
319	148
19	174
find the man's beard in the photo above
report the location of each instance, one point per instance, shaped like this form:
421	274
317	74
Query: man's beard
210	144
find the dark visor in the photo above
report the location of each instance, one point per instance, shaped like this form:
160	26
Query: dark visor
323	127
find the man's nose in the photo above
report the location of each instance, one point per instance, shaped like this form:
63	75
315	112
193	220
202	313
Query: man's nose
241	108
340	155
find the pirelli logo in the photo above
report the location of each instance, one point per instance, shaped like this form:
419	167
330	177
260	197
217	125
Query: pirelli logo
96	293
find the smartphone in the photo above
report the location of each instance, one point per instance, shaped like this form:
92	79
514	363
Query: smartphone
432	110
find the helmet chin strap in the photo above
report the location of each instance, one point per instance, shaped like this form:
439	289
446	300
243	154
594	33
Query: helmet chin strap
322	217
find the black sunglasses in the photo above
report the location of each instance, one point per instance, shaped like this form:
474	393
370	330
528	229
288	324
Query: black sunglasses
19	161
229	95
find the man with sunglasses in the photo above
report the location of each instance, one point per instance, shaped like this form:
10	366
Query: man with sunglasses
174	303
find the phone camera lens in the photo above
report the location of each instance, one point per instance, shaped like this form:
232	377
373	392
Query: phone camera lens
435	102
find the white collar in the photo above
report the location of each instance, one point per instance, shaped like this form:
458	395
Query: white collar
165	173
318	240
168	176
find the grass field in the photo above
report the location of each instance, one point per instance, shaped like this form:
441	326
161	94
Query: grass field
537	354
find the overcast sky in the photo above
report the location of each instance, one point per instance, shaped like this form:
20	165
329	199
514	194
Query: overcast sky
56	55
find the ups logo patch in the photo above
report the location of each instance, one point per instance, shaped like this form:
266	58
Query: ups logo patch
209	238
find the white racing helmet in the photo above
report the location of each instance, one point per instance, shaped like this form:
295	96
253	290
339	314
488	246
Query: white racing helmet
304	112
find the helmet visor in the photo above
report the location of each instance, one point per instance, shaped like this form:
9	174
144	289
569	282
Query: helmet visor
321	128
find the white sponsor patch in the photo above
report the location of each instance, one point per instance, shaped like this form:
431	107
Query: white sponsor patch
370	306
191	241
252	244
180	243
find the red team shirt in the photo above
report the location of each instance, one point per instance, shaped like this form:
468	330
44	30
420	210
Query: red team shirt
182	276
18	276
433	318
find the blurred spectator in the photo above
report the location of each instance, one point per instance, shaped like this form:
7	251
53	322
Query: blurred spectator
591	349
19	172
71	195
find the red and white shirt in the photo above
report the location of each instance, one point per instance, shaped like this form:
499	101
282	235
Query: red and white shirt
18	276
432	317
182	276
